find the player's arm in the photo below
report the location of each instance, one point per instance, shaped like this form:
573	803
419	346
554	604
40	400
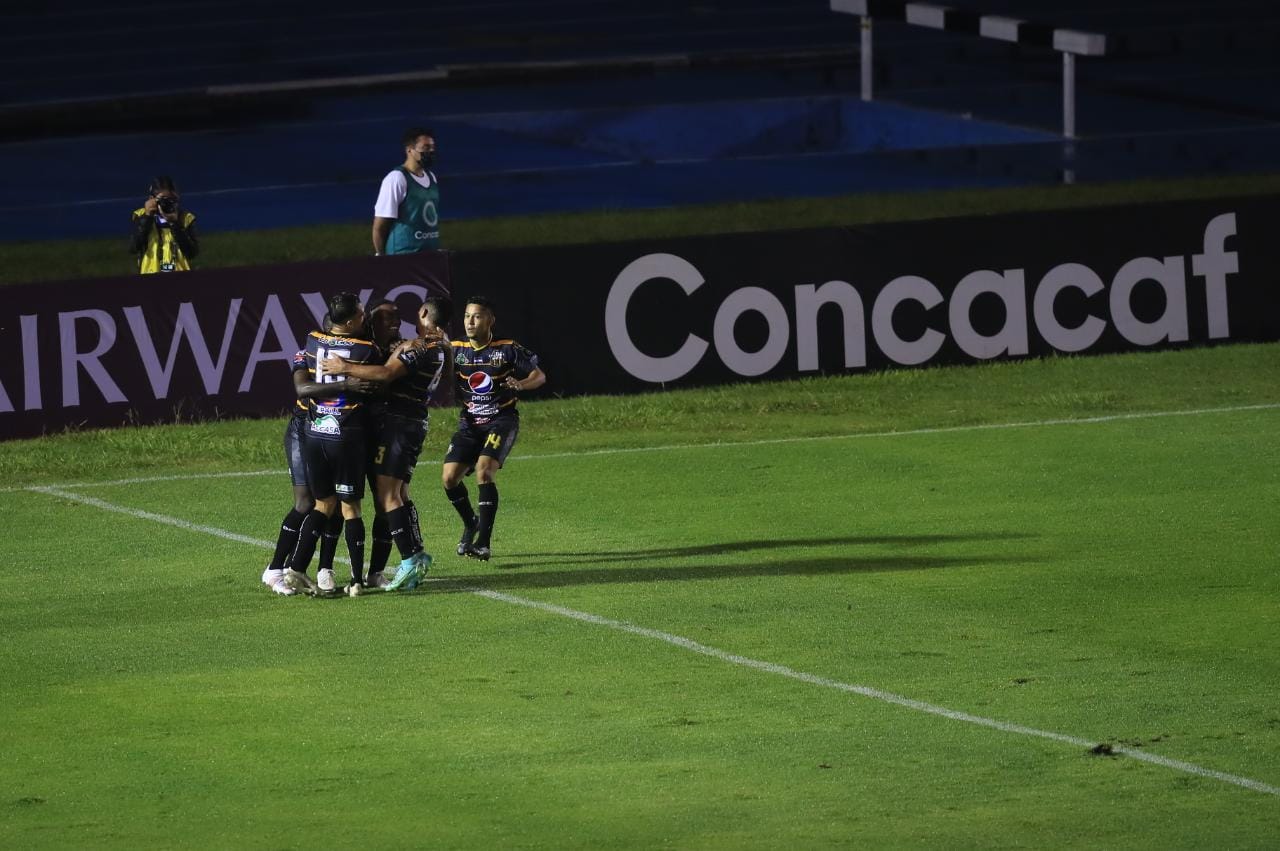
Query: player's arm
393	190
391	370
535	379
305	388
381	230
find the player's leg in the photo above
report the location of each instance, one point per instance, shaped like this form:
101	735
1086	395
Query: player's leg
295	573
319	456
287	538
403	445
487	491
415	523
414	561
354	525
329	538
497	446
464	450
349	486
381	546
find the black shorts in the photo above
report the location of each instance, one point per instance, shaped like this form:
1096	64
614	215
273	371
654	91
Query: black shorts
336	467
293	450
495	439
400	442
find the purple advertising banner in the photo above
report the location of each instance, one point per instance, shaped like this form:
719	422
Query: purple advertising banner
160	348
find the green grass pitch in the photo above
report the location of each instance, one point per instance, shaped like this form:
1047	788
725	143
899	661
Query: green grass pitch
890	610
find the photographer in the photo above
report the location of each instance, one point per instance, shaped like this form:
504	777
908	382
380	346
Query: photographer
164	235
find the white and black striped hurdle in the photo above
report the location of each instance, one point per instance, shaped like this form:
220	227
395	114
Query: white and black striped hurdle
1070	43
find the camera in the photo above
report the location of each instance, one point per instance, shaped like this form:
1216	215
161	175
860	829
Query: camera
167	205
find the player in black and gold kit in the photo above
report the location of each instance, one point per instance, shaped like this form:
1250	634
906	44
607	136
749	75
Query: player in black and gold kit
491	374
413	373
334	443
287	539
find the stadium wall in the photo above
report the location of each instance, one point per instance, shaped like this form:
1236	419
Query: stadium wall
646	315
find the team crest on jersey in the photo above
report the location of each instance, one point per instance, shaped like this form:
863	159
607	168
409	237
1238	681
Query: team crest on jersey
480	382
460	359
327	424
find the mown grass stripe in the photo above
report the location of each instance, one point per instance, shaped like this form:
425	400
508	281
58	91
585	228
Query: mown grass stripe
712	652
727	443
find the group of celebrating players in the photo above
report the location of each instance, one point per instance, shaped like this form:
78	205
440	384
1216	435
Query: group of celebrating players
363	396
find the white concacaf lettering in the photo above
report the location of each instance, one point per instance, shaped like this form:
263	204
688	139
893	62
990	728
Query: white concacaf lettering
6	404
1171	276
1054	332
808	302
906	352
33	401
189	326
1010	288
273	318
1214	265
775	346
73	359
625	351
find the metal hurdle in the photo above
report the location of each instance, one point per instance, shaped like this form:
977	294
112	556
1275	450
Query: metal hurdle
1070	43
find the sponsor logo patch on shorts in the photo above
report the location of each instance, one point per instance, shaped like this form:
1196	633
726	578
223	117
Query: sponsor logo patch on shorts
326	425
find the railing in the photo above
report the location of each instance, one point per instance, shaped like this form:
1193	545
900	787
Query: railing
1070	43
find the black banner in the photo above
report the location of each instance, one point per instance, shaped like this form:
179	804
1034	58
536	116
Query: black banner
709	310
160	348
628	317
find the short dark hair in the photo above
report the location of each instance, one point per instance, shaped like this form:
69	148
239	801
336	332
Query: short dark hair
162	183
343	307
439	308
411	135
374	304
485	302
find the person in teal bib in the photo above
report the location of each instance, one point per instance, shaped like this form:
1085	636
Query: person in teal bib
406	217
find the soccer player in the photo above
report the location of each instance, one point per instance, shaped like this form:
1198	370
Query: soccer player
333	445
413	372
491	373
287	539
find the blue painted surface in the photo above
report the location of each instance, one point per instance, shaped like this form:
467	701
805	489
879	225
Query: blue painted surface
1198	93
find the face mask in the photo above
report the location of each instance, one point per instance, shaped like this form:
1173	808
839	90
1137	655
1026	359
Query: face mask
428	160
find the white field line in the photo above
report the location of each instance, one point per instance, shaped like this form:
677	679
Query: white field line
866	691
723	656
728	444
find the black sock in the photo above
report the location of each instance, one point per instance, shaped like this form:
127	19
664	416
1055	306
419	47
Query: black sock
462	504
287	540
398	523
413	524
329	542
355	548
381	548
488	512
308	538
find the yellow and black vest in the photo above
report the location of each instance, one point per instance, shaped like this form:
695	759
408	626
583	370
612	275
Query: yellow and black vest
162	253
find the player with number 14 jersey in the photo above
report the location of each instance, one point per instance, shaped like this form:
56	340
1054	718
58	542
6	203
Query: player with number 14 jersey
491	374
